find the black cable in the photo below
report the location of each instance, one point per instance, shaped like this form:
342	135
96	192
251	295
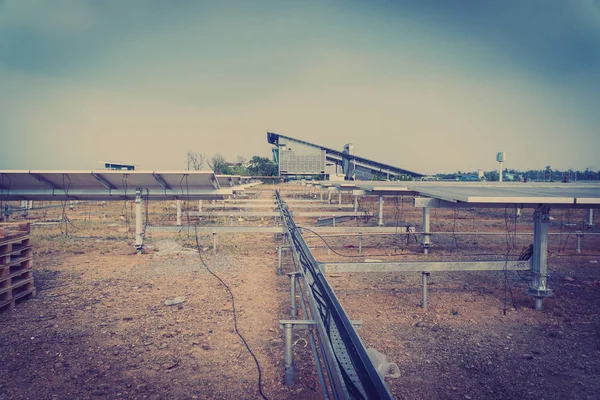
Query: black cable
234	310
335	252
507	286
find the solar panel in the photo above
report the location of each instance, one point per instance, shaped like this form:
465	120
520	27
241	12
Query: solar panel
582	194
112	185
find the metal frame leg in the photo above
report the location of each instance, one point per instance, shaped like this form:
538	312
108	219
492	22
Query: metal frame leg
139	235
426	241
293	304
380	212
360	235
288	378
589	218
178	212
539	261
424	277
279	261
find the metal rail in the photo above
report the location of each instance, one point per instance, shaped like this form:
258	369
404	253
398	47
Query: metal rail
350	371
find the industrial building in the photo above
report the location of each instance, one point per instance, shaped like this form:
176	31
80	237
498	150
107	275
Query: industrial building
298	159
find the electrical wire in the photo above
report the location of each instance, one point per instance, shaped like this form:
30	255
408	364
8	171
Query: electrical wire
507	286
232	297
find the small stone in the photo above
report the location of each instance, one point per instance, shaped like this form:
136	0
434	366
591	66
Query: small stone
205	347
528	356
175	301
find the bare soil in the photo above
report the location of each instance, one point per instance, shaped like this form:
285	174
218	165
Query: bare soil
99	326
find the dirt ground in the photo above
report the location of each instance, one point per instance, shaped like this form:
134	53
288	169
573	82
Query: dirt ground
99	326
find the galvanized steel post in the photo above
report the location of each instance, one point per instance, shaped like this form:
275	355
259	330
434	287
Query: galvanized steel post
424	276
178	212
539	261
139	238
214	241
579	234
360	243
589	218
288	379
380	212
279	270
293	306
426	241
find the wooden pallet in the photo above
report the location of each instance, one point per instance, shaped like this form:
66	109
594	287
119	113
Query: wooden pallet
16	256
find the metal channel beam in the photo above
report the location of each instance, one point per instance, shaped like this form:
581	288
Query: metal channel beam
103	181
161	181
420	266
350	371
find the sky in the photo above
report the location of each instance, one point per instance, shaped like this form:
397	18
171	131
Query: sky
427	85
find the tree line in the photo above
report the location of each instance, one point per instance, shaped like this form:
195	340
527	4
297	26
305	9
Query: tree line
255	166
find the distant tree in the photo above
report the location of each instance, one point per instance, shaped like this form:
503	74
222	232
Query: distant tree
195	161
261	166
548	172
219	165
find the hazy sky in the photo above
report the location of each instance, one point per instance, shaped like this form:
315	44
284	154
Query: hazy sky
431	86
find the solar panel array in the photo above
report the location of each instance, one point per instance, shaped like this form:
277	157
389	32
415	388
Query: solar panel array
116	185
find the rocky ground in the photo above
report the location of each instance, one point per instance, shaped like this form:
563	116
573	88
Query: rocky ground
100	326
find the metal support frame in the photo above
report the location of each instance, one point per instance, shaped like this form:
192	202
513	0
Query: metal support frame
380	212
350	372
424	277
589	218
355	203
139	234
214	234
579	235
340	197
199	206
539	261
298	324
426	240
